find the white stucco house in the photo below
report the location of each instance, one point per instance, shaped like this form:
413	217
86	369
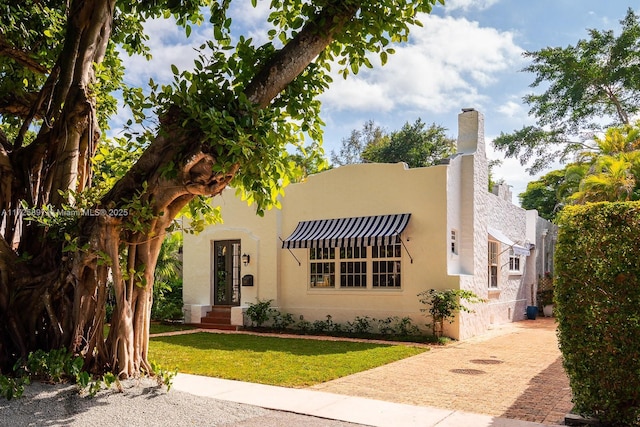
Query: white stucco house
364	240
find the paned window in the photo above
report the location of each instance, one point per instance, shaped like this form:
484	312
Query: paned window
515	262
493	263
386	266
353	267
322	267
375	267
454	242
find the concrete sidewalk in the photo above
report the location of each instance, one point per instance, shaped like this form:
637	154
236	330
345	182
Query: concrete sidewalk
321	404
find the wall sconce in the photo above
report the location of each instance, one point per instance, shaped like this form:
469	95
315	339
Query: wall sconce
245	259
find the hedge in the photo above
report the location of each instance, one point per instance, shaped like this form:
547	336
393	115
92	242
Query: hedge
597	305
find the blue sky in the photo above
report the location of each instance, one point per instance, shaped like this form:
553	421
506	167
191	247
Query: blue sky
468	54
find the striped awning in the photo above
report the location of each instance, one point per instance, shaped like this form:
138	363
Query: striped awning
376	230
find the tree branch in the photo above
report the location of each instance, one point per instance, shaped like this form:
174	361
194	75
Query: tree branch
23	58
292	59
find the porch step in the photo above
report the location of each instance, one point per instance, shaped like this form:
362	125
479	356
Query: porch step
218	318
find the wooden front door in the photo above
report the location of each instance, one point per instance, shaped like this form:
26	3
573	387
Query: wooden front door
226	272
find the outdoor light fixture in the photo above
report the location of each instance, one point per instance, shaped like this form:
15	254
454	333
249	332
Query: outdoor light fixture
245	259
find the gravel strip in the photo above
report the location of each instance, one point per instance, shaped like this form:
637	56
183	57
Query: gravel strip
142	403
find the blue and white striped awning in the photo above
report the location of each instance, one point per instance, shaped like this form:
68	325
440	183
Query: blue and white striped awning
376	230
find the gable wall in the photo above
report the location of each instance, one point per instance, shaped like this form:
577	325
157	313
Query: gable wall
363	190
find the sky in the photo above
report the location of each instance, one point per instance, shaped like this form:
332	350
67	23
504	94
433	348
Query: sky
468	54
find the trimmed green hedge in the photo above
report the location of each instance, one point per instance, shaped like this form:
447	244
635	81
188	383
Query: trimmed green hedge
597	297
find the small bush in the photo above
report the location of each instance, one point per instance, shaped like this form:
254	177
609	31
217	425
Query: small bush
303	325
260	312
405	326
361	325
167	301
321	326
282	320
597	295
385	327
12	387
444	304
60	365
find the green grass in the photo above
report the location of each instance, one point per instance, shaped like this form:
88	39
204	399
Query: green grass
288	362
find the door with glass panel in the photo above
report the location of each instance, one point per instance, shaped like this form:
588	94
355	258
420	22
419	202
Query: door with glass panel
226	272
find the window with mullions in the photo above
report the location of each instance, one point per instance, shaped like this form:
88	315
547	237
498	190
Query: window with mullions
493	264
353	273
386	266
514	262
322	267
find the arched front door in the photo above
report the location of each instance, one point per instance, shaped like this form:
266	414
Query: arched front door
226	272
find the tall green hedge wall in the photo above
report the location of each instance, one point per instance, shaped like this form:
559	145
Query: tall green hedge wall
597	301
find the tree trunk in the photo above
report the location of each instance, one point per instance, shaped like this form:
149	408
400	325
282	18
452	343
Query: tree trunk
53	289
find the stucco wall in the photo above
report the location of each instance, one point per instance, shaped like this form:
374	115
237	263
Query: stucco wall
450	196
258	238
474	213
363	190
509	301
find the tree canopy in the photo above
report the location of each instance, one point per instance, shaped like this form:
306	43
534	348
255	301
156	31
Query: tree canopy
415	144
68	235
610	172
588	87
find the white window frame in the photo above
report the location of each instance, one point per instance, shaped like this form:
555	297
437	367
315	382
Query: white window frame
322	259
515	262
493	264
344	264
454	242
389	259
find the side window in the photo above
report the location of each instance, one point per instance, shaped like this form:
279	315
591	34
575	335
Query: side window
493	263
515	262
454	242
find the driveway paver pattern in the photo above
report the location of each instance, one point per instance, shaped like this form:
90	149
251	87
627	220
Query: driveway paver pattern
514	371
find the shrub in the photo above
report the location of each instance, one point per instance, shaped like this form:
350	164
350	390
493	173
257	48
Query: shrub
260	312
60	365
385	327
597	295
360	325
167	289
405	326
167	301
444	304
282	320
320	326
303	324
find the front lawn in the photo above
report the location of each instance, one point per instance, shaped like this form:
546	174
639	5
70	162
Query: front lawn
287	362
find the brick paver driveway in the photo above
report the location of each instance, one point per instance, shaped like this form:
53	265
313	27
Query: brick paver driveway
515	371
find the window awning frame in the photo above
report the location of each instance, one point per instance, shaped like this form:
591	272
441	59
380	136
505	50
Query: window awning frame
375	230
518	250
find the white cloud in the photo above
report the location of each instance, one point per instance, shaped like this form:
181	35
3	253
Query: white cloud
168	46
356	93
252	21
513	109
450	5
443	67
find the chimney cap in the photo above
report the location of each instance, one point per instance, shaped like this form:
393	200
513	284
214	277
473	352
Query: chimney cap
466	110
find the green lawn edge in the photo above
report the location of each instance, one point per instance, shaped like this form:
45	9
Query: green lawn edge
288	362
